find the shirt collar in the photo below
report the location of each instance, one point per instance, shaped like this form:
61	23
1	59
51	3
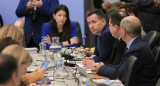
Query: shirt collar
103	30
119	38
130	42
100	34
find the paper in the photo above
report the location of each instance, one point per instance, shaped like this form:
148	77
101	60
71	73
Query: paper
111	1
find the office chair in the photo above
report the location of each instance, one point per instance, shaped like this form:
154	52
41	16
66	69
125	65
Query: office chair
156	52
152	38
129	75
79	33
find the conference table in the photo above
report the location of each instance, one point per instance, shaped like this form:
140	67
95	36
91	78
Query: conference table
38	60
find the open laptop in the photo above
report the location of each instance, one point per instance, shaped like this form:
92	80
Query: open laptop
82	71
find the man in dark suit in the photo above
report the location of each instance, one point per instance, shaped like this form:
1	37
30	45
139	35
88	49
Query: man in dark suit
36	13
119	45
103	39
146	74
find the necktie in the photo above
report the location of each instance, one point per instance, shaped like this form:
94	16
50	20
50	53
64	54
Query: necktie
126	49
98	42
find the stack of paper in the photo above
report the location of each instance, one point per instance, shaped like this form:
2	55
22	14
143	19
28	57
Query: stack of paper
32	50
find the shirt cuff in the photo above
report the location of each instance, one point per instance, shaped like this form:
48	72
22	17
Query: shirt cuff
61	44
93	56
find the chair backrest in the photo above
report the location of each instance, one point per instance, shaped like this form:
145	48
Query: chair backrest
128	77
152	38
1	21
156	52
79	33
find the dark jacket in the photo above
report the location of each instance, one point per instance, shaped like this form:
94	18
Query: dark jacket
103	50
149	14
117	52
44	14
146	67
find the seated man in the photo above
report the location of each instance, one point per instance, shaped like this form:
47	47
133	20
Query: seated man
146	74
103	39
115	18
119	45
132	10
8	71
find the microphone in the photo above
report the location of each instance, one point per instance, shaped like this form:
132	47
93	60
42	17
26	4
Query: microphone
80	42
67	56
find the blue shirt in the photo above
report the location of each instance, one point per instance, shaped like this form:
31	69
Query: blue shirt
130	42
98	38
47	31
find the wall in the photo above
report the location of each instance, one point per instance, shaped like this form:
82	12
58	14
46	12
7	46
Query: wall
76	8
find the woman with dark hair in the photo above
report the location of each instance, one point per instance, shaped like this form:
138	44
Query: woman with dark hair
60	26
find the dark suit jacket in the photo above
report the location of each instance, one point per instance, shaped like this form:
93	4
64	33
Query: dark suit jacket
117	52
145	65
104	49
44	14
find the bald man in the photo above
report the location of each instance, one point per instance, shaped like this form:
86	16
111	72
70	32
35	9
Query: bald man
146	67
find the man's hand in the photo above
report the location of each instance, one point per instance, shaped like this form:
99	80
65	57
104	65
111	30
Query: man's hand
88	62
38	3
47	39
30	4
96	67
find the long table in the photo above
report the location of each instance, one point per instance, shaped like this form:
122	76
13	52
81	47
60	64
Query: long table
38	60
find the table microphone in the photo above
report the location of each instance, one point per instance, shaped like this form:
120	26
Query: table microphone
67	56
79	43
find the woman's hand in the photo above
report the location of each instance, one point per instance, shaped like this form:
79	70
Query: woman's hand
74	40
47	39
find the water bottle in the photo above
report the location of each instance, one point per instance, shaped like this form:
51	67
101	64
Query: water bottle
55	46
42	46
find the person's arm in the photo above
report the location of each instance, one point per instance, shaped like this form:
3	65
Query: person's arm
74	38
22	8
113	72
143	3
48	7
32	77
46	32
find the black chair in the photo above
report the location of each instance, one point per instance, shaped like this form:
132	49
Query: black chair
158	82
152	38
156	52
129	74
1	21
79	33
